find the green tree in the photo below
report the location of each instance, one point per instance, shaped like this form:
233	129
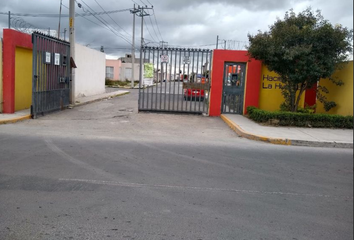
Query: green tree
302	49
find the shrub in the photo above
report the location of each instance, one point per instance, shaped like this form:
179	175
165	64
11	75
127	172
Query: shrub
109	82
300	119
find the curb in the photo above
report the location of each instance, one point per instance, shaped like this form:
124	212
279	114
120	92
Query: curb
321	144
250	136
13	120
101	98
281	141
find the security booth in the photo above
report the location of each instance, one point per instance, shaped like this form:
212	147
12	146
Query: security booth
235	81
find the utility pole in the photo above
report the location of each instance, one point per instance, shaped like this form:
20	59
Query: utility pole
61	1
64	34
9	19
224	44
134	11
142	15
72	47
217	41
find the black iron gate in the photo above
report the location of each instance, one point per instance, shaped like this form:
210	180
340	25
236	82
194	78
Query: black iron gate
175	80
234	87
51	74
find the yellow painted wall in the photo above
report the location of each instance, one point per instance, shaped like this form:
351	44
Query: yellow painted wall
23	78
270	96
342	95
1	98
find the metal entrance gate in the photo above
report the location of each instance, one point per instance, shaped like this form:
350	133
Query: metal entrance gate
51	74
174	80
234	87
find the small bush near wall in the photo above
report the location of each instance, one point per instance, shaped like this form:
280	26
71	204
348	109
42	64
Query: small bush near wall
298	119
109	82
113	83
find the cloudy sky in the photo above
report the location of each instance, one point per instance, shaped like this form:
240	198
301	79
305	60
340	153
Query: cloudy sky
180	23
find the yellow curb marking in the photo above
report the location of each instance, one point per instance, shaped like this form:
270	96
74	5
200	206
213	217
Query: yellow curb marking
255	137
15	119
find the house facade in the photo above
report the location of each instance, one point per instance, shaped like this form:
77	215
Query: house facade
121	69
112	69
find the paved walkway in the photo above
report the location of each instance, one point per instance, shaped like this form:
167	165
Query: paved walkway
316	137
26	114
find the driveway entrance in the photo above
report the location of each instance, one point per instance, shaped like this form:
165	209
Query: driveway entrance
175	80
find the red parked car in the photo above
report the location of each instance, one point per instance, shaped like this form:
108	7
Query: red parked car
196	94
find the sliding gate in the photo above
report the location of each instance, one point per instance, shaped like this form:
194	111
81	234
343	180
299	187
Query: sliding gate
175	80
51	74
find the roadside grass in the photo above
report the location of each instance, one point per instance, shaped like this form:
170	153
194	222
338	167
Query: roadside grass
120	84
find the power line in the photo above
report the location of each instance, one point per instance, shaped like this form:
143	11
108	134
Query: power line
112	18
55	15
135	2
105	23
154	28
157	23
78	14
149	31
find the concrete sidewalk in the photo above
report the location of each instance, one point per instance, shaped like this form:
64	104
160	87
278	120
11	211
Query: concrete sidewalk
314	137
26	114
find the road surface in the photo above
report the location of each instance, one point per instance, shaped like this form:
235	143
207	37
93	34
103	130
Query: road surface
104	171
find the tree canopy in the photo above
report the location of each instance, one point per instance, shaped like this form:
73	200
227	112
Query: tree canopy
302	49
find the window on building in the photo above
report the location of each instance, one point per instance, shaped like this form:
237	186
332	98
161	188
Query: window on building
109	72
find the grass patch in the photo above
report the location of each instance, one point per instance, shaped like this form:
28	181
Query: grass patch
111	83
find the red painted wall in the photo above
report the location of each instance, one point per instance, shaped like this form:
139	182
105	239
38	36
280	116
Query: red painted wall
11	40
253	76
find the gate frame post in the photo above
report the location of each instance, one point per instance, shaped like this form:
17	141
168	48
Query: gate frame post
34	77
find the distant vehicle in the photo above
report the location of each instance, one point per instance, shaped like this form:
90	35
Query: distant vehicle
196	94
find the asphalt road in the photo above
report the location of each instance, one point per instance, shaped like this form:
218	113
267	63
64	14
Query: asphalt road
103	171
